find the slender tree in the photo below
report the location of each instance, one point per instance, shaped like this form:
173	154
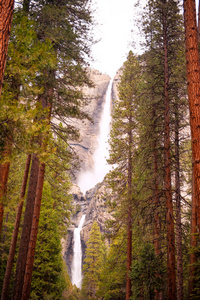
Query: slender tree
193	84
93	263
122	150
193	81
5	289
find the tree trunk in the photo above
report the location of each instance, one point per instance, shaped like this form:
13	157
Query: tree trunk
4	171
199	23
193	239
193	81
33	238
25	237
5	290
178	211
156	216
129	223
156	203
6	13
171	273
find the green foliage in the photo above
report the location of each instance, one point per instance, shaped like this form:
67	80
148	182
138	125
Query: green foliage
47	279
93	263
27	57
113	275
147	273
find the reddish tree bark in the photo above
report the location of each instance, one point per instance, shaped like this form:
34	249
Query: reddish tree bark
193	82
4	171
171	267
156	203
5	290
25	237
193	239
33	238
6	13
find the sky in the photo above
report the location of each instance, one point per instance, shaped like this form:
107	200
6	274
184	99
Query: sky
117	31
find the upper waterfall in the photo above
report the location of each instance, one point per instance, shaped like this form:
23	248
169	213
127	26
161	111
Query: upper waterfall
89	179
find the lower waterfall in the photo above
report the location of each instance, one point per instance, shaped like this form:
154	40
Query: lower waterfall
77	257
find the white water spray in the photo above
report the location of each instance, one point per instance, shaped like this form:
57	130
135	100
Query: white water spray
77	257
88	180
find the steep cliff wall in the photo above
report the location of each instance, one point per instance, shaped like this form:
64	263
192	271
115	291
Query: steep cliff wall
93	203
96	96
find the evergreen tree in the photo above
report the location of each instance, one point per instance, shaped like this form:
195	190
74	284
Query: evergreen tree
145	270
164	39
193	77
122	153
113	276
93	263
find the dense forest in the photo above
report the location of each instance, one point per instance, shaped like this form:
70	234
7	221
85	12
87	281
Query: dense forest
153	250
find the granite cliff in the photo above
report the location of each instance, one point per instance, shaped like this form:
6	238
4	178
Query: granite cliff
93	203
88	130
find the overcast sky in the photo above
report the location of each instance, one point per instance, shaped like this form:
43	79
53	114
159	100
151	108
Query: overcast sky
117	31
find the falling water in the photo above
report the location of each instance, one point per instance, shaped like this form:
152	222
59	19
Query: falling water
77	257
88	180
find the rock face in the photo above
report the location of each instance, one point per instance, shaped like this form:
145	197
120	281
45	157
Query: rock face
93	203
96	96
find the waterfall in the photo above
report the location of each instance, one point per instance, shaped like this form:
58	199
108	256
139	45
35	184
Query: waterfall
88	180
77	257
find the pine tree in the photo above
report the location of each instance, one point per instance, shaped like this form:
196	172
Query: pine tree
193	82
164	39
123	146
93	263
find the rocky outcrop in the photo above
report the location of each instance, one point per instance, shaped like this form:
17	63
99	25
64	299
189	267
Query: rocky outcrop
94	206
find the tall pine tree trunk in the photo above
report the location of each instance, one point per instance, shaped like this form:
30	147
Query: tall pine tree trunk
33	238
156	216
171	273
6	13
5	290
46	101
129	221
178	211
156	190
193	81
25	237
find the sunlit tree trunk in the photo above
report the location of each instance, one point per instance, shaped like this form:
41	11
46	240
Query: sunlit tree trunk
6	13
5	290
193	81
